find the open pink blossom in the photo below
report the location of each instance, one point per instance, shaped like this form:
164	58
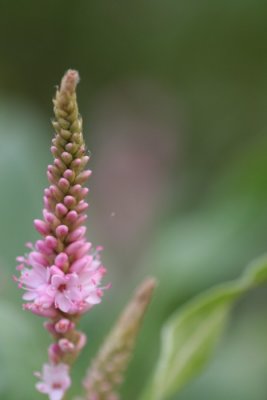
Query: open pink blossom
49	288
67	291
35	281
55	380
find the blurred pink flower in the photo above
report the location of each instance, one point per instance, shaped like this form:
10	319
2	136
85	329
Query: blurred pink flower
55	380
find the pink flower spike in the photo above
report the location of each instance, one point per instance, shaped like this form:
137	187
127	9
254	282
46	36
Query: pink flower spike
61	274
55	381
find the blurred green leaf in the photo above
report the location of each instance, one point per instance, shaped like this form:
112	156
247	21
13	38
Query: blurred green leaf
190	335
256	272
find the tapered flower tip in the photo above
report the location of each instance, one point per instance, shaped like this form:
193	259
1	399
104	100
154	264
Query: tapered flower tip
69	81
145	290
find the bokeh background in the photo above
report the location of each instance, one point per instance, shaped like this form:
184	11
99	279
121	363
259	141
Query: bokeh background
174	100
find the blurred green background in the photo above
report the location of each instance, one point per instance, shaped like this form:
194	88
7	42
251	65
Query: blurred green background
174	100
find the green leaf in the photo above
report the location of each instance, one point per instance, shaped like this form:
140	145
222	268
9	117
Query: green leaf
256	273
188	338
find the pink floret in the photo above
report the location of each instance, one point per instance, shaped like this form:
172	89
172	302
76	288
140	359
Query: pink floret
54	380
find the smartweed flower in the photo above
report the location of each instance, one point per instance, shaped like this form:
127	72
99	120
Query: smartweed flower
61	274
